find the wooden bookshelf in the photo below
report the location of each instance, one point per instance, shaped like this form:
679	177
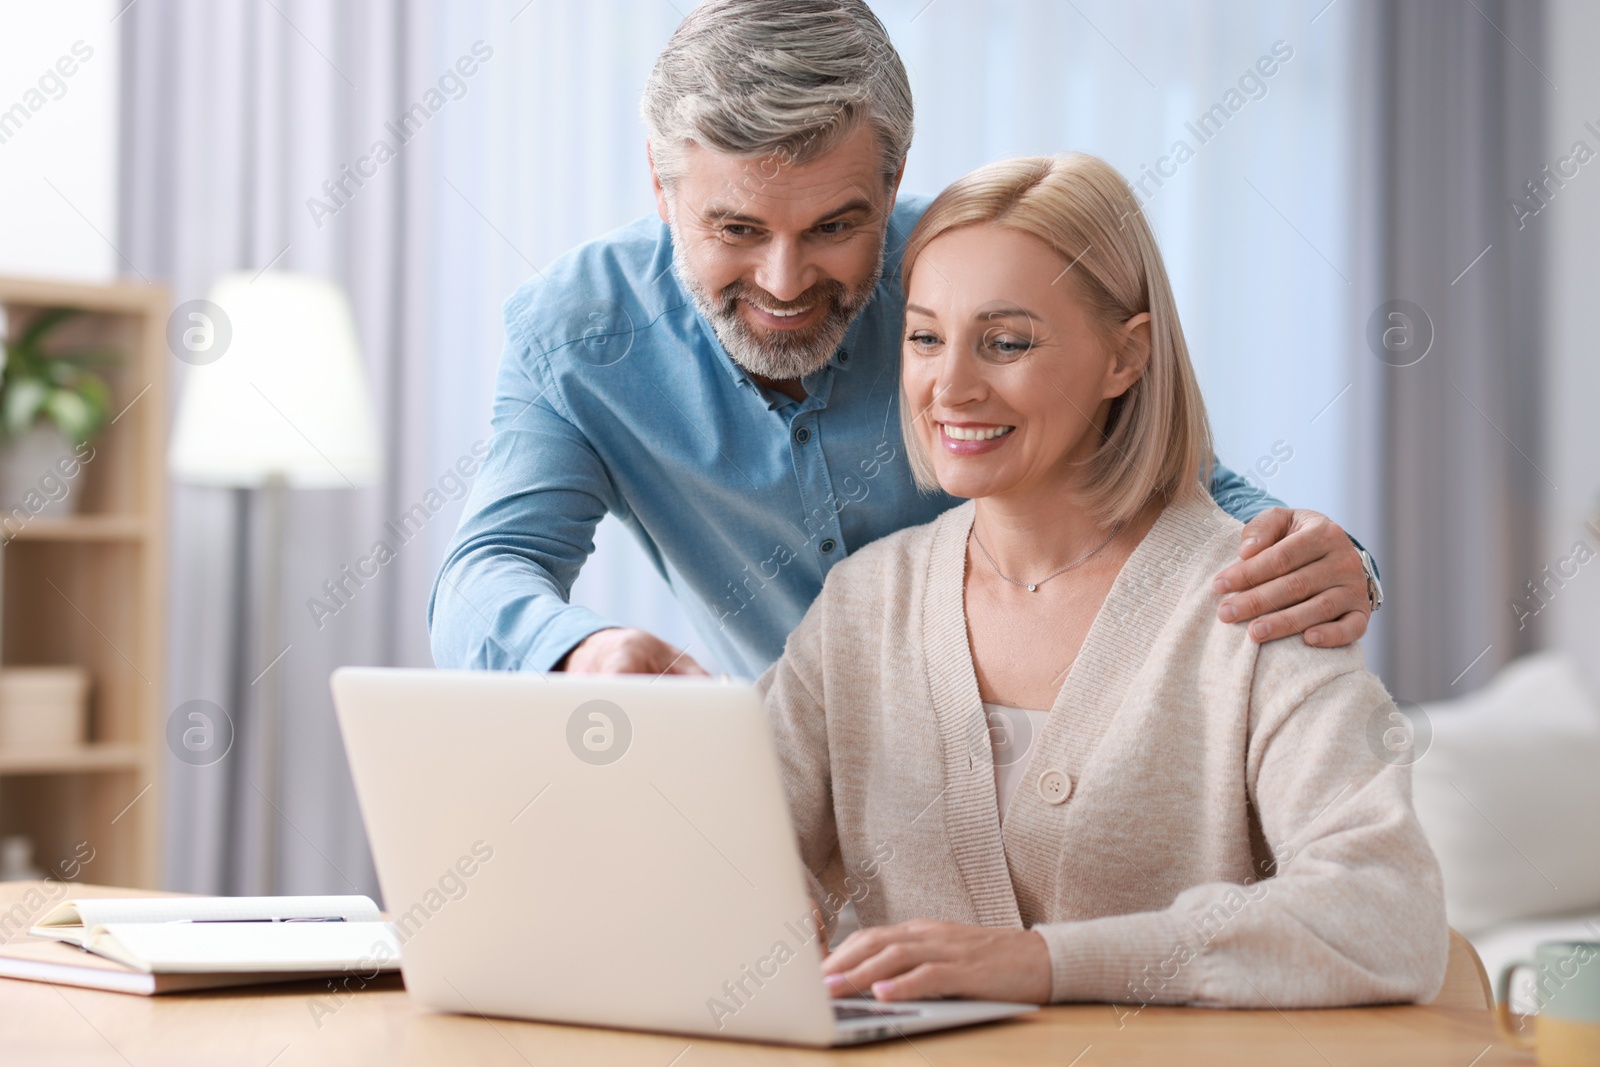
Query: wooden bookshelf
87	590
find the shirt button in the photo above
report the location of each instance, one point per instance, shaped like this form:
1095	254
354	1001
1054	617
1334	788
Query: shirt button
803	434
828	545
844	355
1055	786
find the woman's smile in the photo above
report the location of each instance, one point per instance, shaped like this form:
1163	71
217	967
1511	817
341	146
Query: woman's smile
973	438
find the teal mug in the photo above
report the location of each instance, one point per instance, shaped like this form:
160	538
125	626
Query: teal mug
1566	1031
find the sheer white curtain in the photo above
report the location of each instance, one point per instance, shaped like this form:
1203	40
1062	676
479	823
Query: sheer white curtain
547	154
1254	226
234	116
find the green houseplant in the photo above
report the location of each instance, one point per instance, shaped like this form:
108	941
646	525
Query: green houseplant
61	386
52	404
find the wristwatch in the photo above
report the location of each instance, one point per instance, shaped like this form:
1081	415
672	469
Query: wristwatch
1374	587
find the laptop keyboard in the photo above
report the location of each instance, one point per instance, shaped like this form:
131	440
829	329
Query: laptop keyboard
846	1012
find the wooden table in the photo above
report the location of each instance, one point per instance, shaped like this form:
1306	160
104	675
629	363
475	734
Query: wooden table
303	1024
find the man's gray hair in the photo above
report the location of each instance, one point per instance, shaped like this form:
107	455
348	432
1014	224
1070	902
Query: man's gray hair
788	78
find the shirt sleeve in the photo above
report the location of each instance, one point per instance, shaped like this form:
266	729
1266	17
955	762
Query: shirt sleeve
500	601
1235	495
1353	910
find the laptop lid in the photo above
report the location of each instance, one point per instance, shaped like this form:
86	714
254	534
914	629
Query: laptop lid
613	852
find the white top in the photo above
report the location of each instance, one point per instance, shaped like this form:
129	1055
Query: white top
1012	732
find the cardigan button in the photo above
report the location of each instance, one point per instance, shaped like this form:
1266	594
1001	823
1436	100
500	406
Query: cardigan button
1055	786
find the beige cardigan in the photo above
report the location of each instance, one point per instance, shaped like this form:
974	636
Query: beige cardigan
1204	820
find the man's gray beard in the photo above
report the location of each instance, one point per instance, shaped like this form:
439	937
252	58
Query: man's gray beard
778	355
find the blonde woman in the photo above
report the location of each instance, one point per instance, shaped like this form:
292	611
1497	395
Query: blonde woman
1017	737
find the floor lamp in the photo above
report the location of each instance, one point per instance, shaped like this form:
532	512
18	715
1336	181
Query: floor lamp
276	398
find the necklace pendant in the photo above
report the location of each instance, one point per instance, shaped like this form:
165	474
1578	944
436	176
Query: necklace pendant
1032	588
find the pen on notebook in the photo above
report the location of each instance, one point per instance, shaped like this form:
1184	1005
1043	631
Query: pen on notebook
323	919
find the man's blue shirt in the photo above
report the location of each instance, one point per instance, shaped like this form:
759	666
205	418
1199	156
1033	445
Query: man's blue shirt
614	395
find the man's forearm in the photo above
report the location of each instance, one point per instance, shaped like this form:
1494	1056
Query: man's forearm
497	611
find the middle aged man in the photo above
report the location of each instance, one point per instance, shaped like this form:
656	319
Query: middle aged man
725	380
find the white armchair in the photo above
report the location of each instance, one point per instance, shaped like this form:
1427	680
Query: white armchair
1508	792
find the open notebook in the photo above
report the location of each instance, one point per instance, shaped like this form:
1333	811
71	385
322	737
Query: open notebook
165	944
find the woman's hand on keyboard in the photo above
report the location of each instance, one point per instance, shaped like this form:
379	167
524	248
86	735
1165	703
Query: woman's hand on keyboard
926	958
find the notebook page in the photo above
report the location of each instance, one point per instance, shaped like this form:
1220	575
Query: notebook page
364	947
61	964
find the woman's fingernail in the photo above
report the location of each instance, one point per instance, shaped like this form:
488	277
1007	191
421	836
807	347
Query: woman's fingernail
882	989
835	981
1250	542
1313	638
1260	631
1227	612
1221	585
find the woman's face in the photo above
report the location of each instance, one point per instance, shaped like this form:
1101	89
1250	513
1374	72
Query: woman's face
1008	378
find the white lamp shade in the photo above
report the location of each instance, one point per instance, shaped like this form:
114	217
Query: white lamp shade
286	398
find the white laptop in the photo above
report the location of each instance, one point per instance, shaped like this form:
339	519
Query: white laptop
612	852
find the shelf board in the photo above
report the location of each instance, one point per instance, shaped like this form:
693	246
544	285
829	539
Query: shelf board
125	297
108	756
84	528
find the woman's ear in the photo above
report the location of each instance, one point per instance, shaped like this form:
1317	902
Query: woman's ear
1133	355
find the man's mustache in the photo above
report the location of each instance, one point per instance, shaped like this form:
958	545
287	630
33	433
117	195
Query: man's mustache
832	290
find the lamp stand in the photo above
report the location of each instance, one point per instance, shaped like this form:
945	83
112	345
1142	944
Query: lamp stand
271	703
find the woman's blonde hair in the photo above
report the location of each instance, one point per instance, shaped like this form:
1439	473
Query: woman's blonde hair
1156	440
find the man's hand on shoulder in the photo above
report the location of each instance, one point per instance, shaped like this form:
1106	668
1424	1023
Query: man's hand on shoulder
620	650
1300	574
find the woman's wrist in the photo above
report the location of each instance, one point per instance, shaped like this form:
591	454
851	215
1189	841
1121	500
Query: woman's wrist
1038	968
